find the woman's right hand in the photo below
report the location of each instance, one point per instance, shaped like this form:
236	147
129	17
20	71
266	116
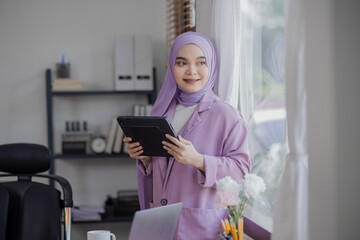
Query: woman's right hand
135	150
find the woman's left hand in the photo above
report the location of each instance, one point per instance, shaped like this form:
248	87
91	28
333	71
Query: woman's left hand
184	152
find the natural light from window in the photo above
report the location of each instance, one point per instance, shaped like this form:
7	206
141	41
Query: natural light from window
262	41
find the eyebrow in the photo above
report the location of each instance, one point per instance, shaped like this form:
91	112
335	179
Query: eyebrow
182	58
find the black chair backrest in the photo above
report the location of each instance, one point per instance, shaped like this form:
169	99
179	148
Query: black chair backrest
33	209
24	158
4	204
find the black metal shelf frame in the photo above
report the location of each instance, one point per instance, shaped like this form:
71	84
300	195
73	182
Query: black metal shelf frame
106	220
74	156
49	109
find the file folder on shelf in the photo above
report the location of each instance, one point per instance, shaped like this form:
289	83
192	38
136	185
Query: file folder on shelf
133	63
143	63
124	64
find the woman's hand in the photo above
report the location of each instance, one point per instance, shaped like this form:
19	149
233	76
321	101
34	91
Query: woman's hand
184	152
135	150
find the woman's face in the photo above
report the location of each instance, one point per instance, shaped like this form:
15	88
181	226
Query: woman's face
191	71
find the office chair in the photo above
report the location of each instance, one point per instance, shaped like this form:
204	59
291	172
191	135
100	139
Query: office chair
4	203
31	210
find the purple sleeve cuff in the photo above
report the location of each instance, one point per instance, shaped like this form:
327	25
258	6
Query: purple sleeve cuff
234	162
218	167
207	178
145	171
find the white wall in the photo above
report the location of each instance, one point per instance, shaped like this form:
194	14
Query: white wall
33	36
35	33
333	80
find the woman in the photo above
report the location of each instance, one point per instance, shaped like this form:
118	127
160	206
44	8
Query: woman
211	141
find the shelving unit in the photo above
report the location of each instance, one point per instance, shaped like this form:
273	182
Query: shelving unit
50	95
49	104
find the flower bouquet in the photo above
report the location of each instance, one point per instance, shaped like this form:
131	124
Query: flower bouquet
233	197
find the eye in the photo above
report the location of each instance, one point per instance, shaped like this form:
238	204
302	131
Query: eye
180	63
201	63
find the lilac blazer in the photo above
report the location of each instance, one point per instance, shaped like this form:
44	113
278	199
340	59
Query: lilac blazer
218	131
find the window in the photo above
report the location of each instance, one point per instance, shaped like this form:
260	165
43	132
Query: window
263	97
180	18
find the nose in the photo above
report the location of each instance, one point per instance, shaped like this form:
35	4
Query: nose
191	70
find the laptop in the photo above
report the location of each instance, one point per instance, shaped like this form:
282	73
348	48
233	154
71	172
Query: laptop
155	223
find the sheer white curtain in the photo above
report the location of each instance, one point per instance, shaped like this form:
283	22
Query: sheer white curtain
250	65
225	33
228	25
291	208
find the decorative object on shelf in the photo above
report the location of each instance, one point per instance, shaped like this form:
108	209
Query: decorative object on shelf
233	197
63	82
63	68
75	140
142	109
98	144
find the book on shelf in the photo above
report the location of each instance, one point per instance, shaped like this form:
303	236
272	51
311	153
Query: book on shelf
118	139
142	109
86	213
148	109
111	136
67	84
136	110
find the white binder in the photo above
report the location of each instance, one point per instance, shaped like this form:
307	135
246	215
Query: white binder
133	63
143	63
124	63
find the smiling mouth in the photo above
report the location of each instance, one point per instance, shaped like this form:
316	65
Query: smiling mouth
191	81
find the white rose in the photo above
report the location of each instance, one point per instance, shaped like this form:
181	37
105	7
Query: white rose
227	184
253	185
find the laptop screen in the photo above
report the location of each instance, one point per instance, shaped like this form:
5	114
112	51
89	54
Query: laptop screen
155	223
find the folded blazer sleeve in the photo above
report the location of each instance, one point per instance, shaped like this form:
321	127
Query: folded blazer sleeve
234	160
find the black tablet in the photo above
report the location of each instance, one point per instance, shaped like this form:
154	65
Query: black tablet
149	132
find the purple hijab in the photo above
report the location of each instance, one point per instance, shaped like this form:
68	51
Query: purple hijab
170	93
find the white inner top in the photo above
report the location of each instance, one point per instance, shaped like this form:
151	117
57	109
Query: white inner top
182	114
